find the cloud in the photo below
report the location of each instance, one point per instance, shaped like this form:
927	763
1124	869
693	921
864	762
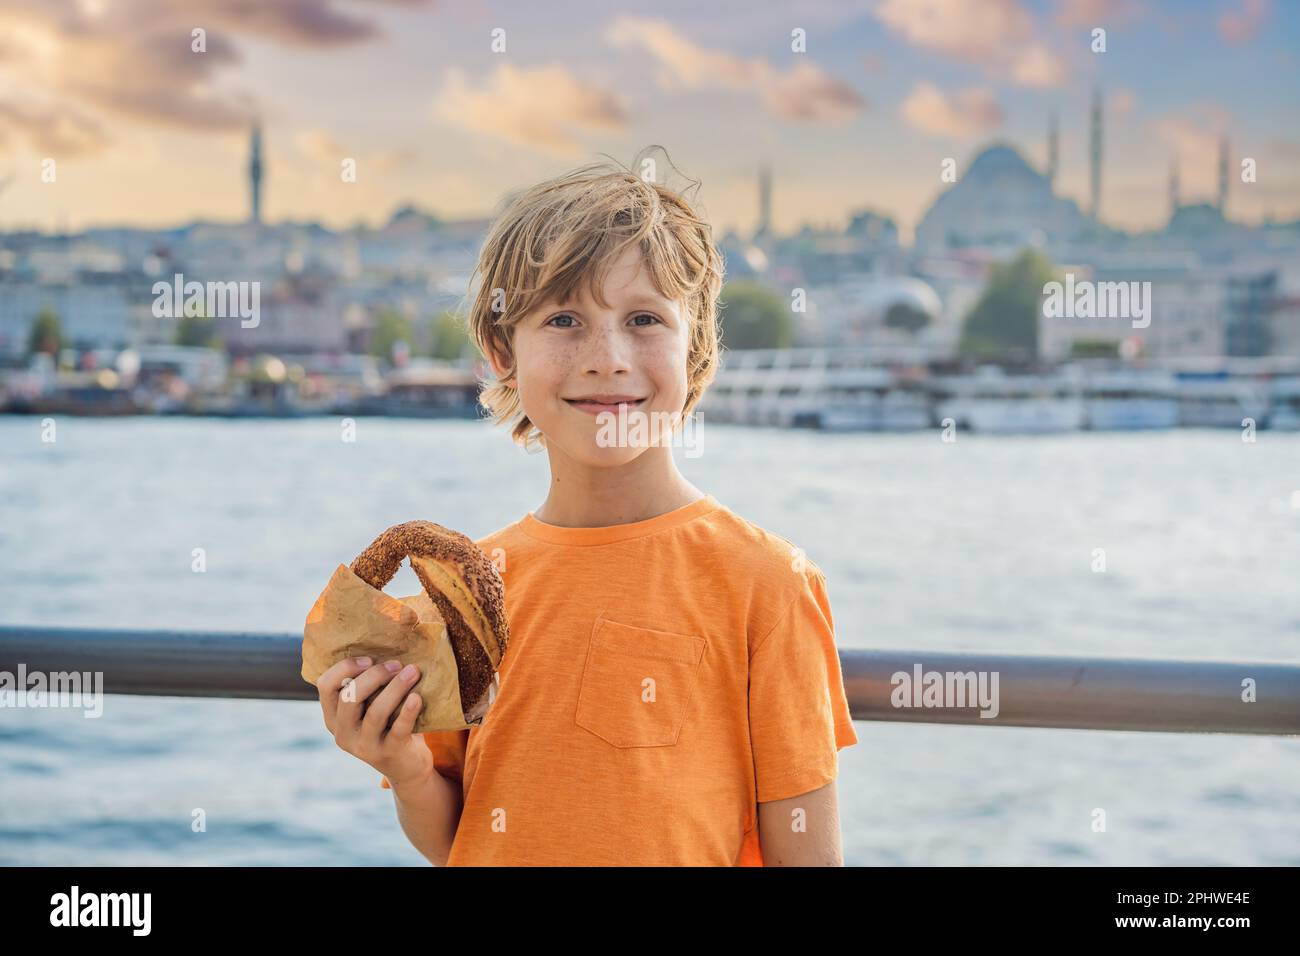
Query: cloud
1122	101
319	148
1241	27
1194	134
393	159
294	22
967	113
132	59
805	93
1038	67
808	95
1093	13
536	108
978	32
996	34
50	131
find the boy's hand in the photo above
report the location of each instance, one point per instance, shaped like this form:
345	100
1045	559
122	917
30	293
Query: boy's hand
358	708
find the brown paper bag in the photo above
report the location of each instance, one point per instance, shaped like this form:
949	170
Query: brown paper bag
353	619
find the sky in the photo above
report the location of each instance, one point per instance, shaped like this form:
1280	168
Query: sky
452	104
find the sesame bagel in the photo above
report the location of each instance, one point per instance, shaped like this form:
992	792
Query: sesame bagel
464	585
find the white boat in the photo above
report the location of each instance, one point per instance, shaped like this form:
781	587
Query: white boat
1284	412
833	389
992	402
1129	399
1218	401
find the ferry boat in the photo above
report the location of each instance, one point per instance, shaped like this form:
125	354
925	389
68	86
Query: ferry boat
1216	400
992	402
837	390
1129	399
873	400
1284	412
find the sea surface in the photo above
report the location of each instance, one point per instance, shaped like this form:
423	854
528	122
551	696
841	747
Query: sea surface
984	544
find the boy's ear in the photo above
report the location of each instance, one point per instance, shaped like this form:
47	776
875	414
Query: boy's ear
499	364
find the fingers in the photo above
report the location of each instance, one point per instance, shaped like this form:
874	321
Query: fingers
405	722
355	696
381	708
329	684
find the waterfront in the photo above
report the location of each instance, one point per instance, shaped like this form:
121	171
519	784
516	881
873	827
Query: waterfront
984	543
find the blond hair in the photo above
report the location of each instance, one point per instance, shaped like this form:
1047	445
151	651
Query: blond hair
571	229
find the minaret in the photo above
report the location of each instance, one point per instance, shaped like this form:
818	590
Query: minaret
255	173
1095	155
1173	187
1053	151
764	201
1223	176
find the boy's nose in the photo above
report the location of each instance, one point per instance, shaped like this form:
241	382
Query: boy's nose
605	352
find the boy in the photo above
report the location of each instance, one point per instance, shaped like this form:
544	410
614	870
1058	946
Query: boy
671	694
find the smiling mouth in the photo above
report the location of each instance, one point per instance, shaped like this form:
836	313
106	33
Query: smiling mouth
590	405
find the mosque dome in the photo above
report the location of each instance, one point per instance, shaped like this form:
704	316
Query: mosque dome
1000	200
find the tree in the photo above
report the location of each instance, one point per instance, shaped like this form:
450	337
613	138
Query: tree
449	337
752	316
46	334
1004	322
1094	348
390	327
197	331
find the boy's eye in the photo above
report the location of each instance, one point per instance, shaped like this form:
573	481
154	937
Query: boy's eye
569	323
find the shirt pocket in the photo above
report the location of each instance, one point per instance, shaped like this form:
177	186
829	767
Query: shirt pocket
637	684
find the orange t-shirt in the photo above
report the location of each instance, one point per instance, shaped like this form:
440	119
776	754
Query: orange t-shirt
663	677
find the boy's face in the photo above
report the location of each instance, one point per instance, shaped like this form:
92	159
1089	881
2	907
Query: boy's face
634	351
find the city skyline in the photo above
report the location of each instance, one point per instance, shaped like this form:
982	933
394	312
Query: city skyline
146	132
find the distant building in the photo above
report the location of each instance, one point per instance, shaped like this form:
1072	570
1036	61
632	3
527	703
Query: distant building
255	174
1250	305
93	312
873	311
999	202
1284	326
1192	312
298	314
764	231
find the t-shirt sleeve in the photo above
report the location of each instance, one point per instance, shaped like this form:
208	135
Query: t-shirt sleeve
448	749
799	716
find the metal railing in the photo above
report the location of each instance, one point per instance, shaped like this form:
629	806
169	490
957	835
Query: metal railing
1032	691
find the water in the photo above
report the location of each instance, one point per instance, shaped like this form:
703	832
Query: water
985	544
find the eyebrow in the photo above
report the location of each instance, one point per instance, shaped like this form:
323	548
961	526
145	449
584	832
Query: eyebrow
642	301
651	302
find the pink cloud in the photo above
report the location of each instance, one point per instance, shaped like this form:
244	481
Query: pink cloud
1093	13
1241	26
966	113
979	32
538	108
804	93
96	61
1038	67
996	34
